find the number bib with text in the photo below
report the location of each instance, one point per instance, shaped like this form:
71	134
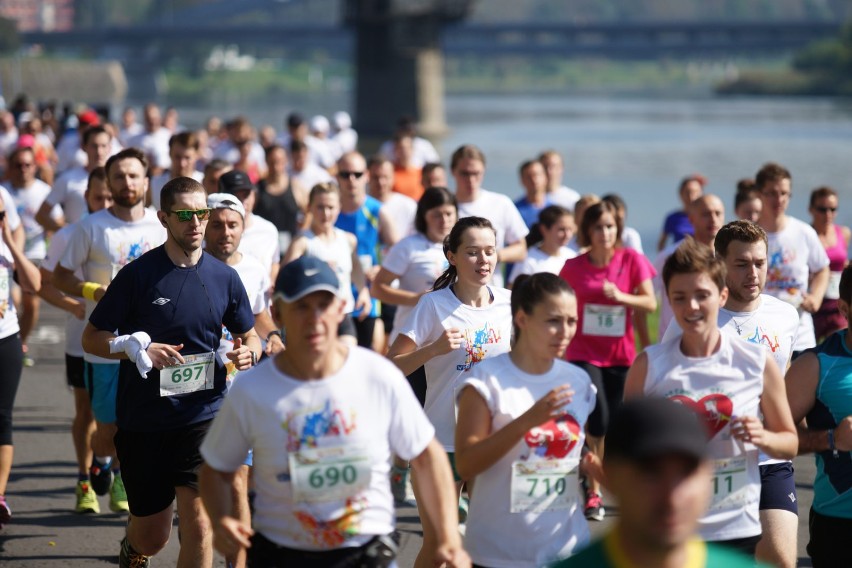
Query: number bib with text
608	321
730	483
549	485
196	374
329	474
832	292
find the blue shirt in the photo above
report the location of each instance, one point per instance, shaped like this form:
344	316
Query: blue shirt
833	482
364	224
529	212
173	305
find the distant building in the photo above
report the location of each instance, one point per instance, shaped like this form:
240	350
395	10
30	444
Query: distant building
39	15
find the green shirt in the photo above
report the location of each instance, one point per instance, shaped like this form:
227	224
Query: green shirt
607	553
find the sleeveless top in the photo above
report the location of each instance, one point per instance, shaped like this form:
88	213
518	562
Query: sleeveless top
720	387
338	255
833	480
281	210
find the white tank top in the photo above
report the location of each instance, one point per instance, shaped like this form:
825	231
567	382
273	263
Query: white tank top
726	385
338	255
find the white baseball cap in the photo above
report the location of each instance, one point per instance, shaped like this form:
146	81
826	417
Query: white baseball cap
226	201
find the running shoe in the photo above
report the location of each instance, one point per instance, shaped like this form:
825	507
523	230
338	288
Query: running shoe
101	476
129	558
594	509
118	496
87	501
27	361
5	512
399	484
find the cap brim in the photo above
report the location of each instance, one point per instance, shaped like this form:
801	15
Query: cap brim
309	290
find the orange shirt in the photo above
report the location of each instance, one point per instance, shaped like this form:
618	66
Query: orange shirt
407	182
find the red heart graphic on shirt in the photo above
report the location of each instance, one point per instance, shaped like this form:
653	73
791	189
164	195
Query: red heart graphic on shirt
715	409
555	438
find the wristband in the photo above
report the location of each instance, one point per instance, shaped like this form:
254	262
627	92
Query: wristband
253	358
89	290
831	445
273	332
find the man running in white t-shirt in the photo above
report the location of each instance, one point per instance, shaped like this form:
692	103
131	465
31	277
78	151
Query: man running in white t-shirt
798	265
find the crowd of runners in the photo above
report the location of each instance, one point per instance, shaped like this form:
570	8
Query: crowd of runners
278	338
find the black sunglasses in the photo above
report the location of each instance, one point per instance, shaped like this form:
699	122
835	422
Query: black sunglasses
826	209
347	175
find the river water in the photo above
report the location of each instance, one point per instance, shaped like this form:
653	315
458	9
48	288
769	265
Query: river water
641	147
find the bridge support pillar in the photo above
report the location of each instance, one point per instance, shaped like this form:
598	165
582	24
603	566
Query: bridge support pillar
399	66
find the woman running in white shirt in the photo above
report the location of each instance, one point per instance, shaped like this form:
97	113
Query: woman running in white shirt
520	432
547	243
451	329
338	249
729	383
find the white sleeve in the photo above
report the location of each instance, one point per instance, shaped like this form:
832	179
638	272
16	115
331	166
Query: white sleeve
516	229
817	257
410	430
420	323
77	251
55	249
225	446
519	268
11	209
398	258
481	388
58	192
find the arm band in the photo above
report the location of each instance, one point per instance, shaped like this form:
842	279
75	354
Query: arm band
89	290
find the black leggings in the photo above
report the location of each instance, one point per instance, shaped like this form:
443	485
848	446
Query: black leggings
610	384
10	377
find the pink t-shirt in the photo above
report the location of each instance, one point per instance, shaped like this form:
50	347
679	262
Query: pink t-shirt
605	328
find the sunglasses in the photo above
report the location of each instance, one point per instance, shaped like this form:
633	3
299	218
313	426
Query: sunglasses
347	175
826	209
185	215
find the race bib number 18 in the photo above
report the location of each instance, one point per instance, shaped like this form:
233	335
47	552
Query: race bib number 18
607	321
548	485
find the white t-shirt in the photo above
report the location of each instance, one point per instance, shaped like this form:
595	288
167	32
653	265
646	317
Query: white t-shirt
73	326
487	332
539	261
631	239
102	244
794	254
310	175
366	407
418	262
725	385
346	139
402	210
69	153
565	196
9	322
260	240
505	217
255	279
154	145
157	183
12	217
495	535
126	134
338	255
69	192
27	202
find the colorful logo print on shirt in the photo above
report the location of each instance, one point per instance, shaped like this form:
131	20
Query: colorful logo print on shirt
306	428
475	341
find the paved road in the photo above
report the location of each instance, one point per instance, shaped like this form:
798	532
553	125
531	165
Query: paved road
46	533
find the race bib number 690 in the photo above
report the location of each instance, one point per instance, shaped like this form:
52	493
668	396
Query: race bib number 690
329	474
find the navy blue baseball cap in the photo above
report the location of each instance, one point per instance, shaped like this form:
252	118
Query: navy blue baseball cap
304	276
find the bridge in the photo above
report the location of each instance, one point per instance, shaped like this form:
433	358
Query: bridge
618	41
398	46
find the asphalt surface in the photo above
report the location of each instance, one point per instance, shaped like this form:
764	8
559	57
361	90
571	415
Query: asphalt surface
45	532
